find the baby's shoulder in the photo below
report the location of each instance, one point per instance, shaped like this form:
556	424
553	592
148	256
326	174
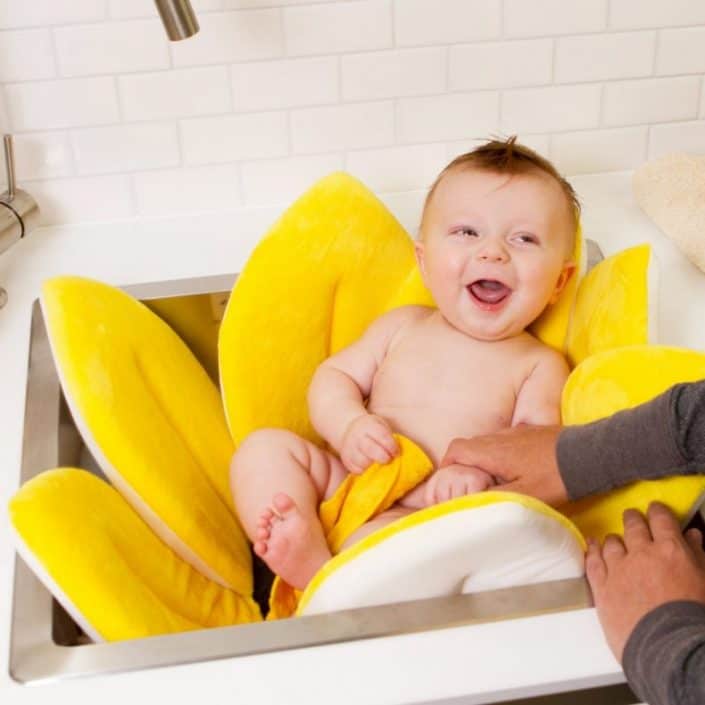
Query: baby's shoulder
538	353
402	315
387	327
396	322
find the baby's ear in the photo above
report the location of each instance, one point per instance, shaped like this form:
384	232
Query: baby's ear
563	278
419	252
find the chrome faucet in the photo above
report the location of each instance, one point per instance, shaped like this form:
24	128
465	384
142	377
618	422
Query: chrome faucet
178	18
19	212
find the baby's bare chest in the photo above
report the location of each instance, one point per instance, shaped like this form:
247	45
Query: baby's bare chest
451	376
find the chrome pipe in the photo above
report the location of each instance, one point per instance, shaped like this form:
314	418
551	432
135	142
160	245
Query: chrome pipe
178	18
9	165
19	212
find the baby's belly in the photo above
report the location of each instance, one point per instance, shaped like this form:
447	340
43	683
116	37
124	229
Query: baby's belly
434	429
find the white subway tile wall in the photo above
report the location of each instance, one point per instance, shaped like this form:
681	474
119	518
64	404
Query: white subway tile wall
114	122
597	57
234	137
635	14
337	127
447	117
419	22
102	150
273	85
189	190
600	150
677	137
500	64
338	27
553	17
49	105
651	100
387	74
681	51
278	181
551	109
19	63
231	36
174	94
123	47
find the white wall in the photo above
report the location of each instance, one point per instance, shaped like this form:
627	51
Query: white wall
113	121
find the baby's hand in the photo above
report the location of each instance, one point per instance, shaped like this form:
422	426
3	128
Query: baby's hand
368	439
455	481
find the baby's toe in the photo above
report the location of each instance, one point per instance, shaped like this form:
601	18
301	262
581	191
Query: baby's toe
260	548
283	503
266	515
262	533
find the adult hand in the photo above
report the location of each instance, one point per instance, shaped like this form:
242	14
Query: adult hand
655	564
523	458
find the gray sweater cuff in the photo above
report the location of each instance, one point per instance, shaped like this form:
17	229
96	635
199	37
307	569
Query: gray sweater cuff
634	444
664	657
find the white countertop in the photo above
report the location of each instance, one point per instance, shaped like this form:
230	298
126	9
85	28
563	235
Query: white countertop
482	663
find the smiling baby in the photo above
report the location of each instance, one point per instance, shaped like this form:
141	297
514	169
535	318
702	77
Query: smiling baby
494	249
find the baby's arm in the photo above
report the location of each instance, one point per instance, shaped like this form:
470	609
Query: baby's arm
539	400
342	383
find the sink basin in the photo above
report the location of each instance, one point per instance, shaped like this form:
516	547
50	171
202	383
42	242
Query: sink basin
46	644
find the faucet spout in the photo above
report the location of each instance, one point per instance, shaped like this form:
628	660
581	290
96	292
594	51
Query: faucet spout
19	212
178	18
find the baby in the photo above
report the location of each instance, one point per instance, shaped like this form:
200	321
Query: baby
495	246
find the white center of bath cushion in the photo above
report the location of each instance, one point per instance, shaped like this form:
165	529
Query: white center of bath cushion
464	549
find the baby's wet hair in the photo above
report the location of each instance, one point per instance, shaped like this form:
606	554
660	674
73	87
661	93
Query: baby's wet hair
507	157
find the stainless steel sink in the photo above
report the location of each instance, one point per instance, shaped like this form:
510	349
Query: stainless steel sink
46	644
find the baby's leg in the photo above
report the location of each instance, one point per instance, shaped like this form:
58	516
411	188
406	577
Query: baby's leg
278	480
395	512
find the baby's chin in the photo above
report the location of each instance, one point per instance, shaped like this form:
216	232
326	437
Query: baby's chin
487	333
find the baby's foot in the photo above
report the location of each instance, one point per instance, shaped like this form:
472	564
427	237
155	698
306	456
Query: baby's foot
290	544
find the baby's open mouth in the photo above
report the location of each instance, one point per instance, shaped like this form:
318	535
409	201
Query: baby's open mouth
489	291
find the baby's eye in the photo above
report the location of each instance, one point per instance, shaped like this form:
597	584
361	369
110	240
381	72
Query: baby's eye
526	238
468	232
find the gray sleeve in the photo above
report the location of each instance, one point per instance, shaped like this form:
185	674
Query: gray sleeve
665	436
664	658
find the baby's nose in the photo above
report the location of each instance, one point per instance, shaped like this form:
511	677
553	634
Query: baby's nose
492	253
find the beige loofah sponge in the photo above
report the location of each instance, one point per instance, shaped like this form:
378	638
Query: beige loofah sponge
671	191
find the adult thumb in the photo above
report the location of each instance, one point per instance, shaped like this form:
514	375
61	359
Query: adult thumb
517	486
470	452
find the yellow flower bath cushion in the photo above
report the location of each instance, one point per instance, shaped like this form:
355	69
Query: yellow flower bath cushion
153	420
614	305
334	261
620	379
107	568
553	324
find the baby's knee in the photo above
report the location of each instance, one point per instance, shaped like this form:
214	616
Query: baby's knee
259	447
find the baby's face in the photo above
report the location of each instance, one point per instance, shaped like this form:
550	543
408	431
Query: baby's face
493	250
